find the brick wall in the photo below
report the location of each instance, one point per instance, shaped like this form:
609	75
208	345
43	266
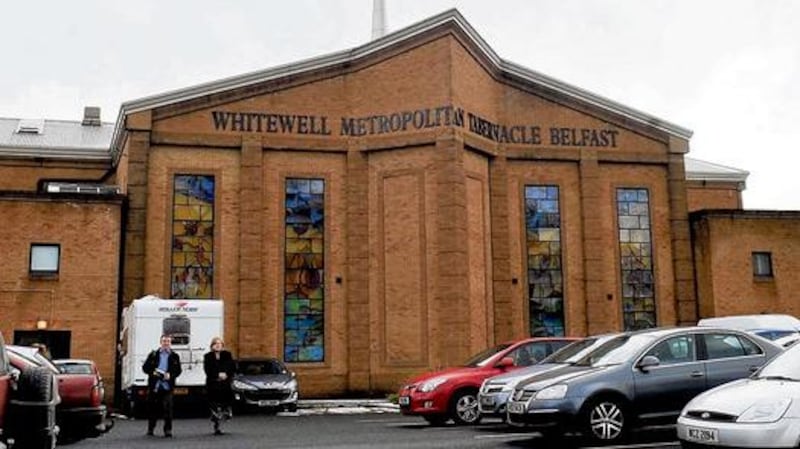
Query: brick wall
82	298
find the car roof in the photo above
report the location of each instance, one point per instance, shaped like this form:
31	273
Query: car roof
76	361
760	321
28	351
531	339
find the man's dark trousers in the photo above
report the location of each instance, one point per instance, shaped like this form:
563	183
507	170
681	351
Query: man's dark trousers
160	403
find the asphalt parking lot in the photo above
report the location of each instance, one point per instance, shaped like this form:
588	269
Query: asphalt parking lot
343	427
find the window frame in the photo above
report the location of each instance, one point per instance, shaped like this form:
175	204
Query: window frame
34	272
763	256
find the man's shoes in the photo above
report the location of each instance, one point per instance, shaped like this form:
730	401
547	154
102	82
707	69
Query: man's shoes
167	434
217	432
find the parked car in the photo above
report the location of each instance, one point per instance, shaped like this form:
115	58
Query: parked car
637	378
265	384
787	341
81	412
77	366
28	399
770	326
761	411
452	393
495	391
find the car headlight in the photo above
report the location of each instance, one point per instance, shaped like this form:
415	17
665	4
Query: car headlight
239	385
765	411
552	392
507	388
291	385
431	384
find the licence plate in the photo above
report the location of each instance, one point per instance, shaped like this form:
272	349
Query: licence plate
403	400
267	403
702	435
516	407
181	391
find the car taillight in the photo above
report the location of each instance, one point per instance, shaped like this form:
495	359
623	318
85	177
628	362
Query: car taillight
98	394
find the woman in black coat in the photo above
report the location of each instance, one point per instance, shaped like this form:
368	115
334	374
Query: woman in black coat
218	365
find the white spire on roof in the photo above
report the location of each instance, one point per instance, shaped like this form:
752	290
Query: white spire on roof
378	19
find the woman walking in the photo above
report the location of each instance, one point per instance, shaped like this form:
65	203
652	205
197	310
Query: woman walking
218	365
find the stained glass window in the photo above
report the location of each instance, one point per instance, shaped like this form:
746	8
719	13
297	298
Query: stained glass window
304	294
636	259
192	270
545	285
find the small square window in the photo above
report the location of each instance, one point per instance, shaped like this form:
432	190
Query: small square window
762	264
45	258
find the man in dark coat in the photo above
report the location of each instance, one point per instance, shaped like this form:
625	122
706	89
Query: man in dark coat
219	366
162	366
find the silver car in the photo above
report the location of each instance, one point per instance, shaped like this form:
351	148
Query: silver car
760	411
495	390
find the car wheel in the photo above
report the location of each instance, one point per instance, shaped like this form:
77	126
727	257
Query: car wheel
605	420
464	408
291	408
435	420
36	385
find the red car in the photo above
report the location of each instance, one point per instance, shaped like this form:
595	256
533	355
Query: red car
81	412
452	393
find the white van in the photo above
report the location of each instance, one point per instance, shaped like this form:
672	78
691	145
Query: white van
192	323
770	326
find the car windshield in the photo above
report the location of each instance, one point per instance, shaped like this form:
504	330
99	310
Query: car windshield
481	358
572	352
75	368
785	366
774	334
617	350
260	367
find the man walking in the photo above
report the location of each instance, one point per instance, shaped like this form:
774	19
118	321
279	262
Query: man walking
162	366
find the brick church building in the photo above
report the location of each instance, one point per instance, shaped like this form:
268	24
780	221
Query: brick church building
373	213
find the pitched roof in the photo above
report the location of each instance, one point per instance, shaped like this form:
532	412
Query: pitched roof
697	170
448	18
56	139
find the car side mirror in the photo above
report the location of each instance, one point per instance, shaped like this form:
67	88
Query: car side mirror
505	362
648	362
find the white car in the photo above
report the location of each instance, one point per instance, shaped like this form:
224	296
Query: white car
761	411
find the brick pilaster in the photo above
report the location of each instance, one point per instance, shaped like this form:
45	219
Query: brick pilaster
682	259
598	317
356	283
251	334
501	250
451	299
135	232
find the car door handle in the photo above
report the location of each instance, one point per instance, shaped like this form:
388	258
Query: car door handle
696	374
754	368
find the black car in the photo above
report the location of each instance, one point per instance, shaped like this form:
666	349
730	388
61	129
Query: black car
265	384
637	378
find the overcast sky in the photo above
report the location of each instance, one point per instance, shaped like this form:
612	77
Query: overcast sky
727	69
